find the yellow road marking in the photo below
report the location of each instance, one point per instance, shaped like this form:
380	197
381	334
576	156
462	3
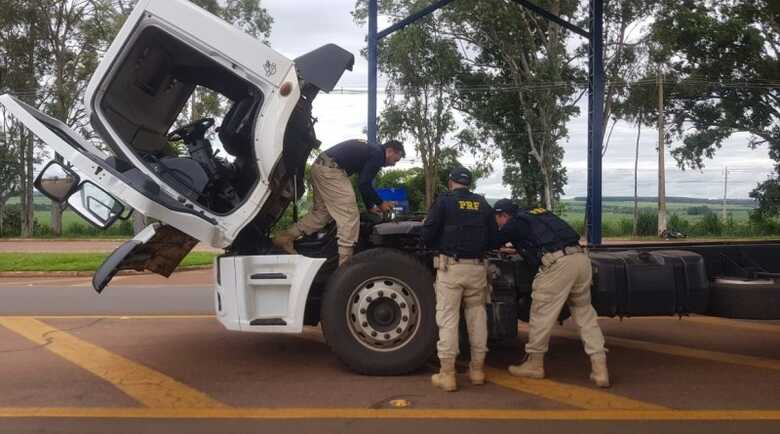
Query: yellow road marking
45	317
575	396
677	350
362	413
149	387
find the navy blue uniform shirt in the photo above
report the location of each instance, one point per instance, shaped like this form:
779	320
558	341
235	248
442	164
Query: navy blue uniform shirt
358	156
452	232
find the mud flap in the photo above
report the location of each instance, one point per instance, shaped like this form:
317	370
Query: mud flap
158	248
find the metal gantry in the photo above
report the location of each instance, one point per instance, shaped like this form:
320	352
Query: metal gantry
595	88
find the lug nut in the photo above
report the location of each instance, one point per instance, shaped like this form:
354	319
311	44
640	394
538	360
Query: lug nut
363	311
403	305
398	330
405	318
387	336
368	299
381	293
365	324
393	296
373	334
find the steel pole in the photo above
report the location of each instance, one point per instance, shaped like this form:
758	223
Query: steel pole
595	119
372	70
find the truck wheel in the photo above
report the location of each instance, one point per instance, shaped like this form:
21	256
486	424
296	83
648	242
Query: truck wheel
378	313
745	299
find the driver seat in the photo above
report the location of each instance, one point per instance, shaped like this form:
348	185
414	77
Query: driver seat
235	133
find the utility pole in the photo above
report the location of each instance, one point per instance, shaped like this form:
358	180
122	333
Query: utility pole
661	152
725	191
634	232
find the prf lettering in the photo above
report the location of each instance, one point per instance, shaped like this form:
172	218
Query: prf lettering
471	205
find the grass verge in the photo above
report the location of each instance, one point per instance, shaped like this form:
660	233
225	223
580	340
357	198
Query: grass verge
82	261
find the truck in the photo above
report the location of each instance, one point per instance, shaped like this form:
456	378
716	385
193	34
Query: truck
377	311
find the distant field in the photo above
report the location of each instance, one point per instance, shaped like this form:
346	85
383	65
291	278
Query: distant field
614	211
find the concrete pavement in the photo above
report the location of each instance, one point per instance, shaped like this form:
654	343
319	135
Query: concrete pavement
148	356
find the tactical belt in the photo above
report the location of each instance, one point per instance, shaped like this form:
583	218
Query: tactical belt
550	257
475	261
325	160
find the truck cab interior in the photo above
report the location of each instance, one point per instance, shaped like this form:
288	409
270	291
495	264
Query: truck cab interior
149	104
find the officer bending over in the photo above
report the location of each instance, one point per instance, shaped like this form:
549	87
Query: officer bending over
564	277
460	226
334	198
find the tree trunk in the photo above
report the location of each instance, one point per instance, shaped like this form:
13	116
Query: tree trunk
430	185
548	195
636	170
56	210
2	217
28	214
661	155
56	219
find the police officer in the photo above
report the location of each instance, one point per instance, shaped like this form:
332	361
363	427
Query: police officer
334	198
564	277
460	226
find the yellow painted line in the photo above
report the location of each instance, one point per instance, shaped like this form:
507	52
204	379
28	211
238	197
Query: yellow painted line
362	413
677	350
149	387
575	396
123	317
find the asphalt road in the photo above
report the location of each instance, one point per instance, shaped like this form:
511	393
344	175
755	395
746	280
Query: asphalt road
148	356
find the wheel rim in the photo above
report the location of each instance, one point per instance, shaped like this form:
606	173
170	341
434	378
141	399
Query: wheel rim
383	314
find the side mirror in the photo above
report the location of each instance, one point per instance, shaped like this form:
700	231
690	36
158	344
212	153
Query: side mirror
57	182
95	205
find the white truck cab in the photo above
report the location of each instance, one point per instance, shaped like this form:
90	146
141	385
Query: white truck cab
155	162
166	50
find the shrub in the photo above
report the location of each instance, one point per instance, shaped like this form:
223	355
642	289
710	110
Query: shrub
12	223
626	227
647	224
679	224
710	224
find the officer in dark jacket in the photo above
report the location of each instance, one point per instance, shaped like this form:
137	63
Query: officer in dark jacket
334	198
564	277
461	227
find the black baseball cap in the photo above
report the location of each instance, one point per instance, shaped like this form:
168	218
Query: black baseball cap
461	175
505	205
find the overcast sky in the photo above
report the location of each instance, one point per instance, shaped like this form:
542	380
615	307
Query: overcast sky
302	25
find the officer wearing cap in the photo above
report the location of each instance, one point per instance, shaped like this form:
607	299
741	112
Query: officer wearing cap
564	277
334	198
461	227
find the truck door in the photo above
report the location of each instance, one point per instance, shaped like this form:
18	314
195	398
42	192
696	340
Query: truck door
127	184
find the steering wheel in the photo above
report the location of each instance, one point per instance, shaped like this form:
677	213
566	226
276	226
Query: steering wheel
191	131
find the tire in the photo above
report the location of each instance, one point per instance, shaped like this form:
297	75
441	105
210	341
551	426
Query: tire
388	293
745	300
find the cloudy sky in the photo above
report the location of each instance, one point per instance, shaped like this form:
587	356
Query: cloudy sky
302	25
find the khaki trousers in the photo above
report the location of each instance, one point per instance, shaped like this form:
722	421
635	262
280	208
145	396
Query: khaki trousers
466	282
566	280
334	199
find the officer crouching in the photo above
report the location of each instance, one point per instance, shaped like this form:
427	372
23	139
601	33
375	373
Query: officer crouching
564	276
461	227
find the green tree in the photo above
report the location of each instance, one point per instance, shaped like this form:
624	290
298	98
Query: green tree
725	61
421	65
519	89
22	63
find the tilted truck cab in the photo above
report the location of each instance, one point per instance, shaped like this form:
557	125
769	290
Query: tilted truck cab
377	311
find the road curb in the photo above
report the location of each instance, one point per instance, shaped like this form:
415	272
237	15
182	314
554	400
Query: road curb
37	274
